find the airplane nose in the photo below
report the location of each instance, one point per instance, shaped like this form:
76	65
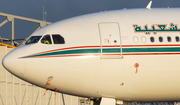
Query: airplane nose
13	61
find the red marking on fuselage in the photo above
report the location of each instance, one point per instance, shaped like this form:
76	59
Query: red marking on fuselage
117	54
110	46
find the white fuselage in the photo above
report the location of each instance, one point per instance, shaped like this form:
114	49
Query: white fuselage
99	55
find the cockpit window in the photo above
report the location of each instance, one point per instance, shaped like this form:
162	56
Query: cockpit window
33	39
46	39
58	39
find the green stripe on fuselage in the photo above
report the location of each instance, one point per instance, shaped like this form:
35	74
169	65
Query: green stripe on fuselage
108	50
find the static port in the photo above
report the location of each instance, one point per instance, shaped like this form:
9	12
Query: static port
121	83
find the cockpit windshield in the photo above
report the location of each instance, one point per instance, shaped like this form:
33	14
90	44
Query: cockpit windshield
33	39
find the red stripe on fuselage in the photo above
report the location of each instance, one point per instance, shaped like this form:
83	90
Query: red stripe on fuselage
106	55
69	48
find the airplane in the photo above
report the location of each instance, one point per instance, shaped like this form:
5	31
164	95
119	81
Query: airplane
128	55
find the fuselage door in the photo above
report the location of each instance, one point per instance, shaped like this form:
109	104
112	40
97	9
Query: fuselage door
110	40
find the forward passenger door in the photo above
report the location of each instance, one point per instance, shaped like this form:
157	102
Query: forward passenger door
110	40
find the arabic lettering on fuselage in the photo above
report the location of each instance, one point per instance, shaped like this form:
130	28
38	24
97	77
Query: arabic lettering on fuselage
156	28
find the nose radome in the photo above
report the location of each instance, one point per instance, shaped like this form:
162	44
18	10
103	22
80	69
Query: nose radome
14	63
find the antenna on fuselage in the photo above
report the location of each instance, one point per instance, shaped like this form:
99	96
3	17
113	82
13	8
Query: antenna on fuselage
149	5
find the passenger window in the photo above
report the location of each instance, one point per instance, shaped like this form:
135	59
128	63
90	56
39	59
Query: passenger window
152	39
160	39
136	39
46	39
177	39
58	39
143	39
169	39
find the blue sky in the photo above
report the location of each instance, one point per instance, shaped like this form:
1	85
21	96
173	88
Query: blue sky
62	9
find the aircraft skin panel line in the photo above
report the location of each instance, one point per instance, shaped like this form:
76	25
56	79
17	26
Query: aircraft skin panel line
128	55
